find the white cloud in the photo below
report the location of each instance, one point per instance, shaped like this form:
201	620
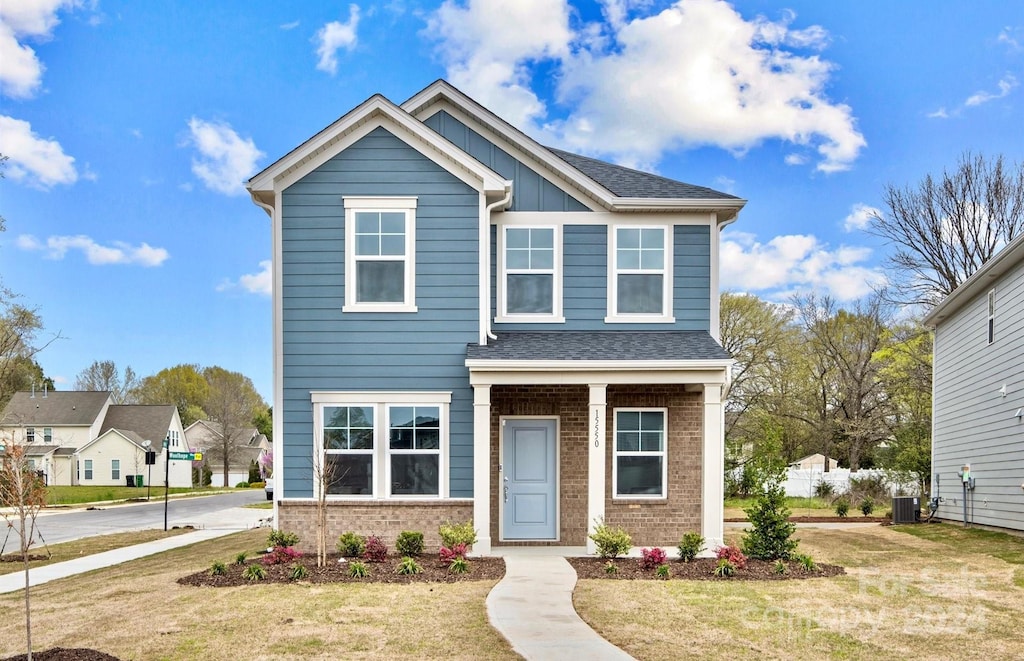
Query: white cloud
22	72
1005	85
639	84
795	263
941	113
289	26
860	217
334	36
39	162
261	282
1010	37
225	160
119	252
795	159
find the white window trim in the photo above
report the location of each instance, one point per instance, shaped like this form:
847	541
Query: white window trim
354	204
381	402
87	470
30	434
616	454
668	276
117	463
990	326
440	452
556	316
47	434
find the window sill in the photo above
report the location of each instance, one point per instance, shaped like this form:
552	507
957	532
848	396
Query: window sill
379	307
639	319
640	499
530	319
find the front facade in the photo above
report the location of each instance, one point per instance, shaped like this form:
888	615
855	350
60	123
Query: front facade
978	395
469	325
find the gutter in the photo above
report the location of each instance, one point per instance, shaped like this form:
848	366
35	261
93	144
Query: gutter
485	266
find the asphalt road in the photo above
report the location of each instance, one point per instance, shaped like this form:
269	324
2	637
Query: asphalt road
217	511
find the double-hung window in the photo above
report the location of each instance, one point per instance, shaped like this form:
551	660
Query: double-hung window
641	460
87	475
382	444
47	435
115	469
640	277
530	260
30	434
380	254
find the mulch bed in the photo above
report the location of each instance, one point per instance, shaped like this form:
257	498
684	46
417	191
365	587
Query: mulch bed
65	654
828	519
700	569
480	569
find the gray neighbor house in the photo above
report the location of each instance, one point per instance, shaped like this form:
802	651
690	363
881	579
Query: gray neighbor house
469	326
978	394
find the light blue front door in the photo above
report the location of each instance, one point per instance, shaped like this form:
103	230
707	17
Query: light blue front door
528	480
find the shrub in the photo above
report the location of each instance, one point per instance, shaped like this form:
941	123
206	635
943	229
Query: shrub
257	485
218	569
611	568
240	558
409	543
282	538
652	558
254	573
875	487
806	561
450	555
242	485
376	550
298	572
459	566
770	536
824	489
408	566
663	571
842	507
358	570
733	555
351	545
724	568
611	542
690	545
281	555
457	533
867	506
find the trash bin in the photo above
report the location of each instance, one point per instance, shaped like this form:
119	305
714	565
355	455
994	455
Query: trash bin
138	481
130	479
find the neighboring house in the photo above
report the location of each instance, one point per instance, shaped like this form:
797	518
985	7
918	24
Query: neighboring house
207	435
978	394
471	326
814	461
81	438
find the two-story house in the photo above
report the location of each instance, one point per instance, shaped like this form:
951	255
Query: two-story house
471	326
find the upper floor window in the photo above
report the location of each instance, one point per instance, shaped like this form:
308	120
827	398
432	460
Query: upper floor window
380	251
640	277
30	434
991	316
530	260
47	435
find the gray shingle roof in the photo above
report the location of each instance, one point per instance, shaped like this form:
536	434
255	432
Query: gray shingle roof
600	345
55	409
149	422
626	182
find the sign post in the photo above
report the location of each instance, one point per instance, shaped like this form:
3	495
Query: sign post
175	456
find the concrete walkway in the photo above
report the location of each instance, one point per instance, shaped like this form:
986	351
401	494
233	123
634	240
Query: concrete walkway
532	607
209	526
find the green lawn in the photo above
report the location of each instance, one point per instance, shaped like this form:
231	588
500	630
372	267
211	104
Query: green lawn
734	507
60	495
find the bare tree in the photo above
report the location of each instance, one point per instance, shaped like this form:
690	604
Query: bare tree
944	230
22	495
231	402
19	327
102	375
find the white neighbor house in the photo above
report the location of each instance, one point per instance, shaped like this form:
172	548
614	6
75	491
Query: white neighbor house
978	394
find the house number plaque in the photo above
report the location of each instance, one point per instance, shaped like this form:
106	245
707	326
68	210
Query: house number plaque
597	428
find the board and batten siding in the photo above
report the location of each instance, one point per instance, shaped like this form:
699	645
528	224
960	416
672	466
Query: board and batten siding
325	349
585	281
531	192
973	422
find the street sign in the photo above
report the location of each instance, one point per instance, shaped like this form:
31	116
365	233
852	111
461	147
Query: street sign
186	456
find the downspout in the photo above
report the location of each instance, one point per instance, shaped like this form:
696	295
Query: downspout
485	267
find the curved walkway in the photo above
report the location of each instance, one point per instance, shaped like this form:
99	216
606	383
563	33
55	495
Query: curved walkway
532	607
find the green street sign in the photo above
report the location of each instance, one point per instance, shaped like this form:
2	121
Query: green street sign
186	456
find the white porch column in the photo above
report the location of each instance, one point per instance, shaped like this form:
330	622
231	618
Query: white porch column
596	459
482	469
712	476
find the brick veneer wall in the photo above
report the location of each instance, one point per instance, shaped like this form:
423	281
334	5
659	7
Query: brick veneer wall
383	518
651	522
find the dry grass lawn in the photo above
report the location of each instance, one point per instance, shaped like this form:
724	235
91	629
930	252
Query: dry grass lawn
79	548
138	611
905	597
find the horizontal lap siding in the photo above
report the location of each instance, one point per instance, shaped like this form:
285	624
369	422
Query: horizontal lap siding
973	422
325	349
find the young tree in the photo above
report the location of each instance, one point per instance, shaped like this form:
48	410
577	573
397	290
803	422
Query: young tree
231	401
102	375
944	230
22	495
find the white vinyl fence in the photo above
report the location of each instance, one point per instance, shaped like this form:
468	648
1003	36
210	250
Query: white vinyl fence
802	482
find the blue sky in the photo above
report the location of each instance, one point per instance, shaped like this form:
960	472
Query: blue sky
131	126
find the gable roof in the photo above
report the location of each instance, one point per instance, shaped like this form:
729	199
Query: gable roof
127	435
616	188
982	280
600	346
55	408
148	422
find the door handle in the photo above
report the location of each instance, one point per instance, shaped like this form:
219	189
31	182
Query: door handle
506	493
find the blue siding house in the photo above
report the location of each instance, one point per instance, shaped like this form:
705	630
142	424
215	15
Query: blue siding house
471	326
